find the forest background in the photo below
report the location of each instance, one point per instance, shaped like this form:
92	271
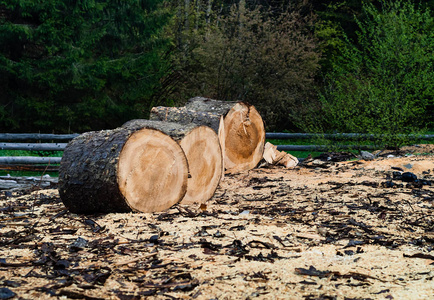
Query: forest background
311	66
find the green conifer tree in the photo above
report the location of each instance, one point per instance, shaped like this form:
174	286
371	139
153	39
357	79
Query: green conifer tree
78	65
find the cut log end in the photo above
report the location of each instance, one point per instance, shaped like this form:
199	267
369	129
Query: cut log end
152	171
202	149
244	138
241	133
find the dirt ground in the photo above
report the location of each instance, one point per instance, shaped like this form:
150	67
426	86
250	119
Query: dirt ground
323	230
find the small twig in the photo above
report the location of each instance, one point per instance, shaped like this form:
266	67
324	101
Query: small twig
126	262
59	214
260	199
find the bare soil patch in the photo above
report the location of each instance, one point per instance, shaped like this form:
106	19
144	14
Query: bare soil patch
321	231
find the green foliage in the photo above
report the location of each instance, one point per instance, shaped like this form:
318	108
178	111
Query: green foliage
255	56
78	65
92	64
383	84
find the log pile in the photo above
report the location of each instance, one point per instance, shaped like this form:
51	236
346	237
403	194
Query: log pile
143	166
238	124
149	165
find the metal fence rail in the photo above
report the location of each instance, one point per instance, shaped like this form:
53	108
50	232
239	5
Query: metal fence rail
37	136
46	142
8	142
29	160
33	146
323	148
339	136
334	137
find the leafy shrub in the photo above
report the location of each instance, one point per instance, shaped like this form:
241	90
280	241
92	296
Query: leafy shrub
269	60
385	83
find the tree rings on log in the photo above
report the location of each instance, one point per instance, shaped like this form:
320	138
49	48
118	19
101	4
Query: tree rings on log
244	137
204	156
239	126
122	170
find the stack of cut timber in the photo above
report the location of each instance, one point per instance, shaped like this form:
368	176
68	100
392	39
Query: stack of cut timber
138	167
239	126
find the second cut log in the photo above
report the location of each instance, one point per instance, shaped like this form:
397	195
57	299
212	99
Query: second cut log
238	124
204	156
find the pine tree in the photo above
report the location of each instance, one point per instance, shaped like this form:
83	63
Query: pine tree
78	65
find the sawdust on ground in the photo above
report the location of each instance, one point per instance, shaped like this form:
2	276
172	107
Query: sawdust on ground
329	231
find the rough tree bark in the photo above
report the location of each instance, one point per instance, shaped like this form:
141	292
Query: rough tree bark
204	156
239	126
123	170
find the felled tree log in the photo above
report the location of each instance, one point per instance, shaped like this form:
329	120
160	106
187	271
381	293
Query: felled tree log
238	124
204	156
123	170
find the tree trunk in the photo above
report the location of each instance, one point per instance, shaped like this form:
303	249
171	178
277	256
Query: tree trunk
208	12
123	170
187	15
204	156
239	126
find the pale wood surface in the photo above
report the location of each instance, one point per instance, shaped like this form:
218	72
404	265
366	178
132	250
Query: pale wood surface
153	171
275	157
244	138
204	156
241	134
